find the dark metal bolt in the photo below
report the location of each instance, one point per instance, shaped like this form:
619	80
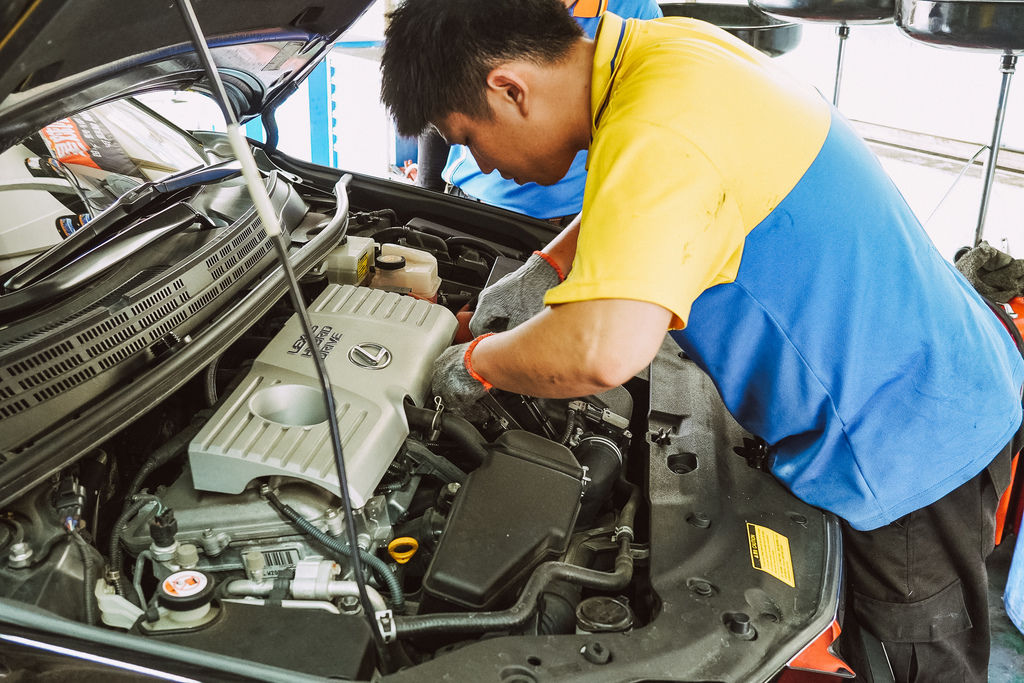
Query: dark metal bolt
699	520
349	603
596	653
739	625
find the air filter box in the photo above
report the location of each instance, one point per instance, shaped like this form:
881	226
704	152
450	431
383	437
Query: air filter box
513	512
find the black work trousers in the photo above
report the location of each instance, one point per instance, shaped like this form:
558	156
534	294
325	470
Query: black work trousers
920	585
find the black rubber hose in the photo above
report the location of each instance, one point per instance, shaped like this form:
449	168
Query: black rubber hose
557	608
521	612
88	577
570	425
381	570
431	157
383	213
459	429
419	239
168	451
627	515
116	557
581	550
269	120
524	609
392	234
473	243
603	460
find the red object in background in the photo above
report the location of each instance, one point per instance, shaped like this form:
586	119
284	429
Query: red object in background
1017	304
794	676
410	169
1004	506
1012	500
68	144
85	140
816	663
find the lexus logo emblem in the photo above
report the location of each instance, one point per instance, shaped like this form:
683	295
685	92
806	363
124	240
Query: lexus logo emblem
369	355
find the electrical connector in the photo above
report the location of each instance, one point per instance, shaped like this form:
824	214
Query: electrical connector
68	501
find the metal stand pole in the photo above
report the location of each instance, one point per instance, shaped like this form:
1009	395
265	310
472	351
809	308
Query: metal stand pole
843	31
1008	65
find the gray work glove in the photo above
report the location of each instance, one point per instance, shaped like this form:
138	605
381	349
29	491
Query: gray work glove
993	273
452	380
516	297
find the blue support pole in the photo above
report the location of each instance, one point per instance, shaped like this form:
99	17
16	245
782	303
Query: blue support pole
319	122
254	130
333	127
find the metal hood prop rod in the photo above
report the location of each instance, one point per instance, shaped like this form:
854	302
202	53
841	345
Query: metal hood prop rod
843	31
1008	65
265	210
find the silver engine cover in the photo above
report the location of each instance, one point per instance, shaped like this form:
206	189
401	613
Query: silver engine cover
379	348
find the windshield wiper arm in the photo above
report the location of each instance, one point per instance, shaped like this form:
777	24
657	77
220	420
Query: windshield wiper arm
199	176
102	258
129	205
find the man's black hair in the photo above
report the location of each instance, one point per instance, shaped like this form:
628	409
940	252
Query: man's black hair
437	53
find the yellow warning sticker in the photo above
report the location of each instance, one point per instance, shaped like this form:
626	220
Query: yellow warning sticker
769	552
363	268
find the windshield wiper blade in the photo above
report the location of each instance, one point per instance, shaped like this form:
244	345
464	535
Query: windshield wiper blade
129	205
199	176
119	247
102	258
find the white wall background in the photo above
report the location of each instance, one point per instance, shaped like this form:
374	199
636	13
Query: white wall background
888	79
892	80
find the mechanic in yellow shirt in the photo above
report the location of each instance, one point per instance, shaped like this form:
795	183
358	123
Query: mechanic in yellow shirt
734	207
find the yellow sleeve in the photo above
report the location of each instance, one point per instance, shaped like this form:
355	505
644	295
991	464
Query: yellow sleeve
660	224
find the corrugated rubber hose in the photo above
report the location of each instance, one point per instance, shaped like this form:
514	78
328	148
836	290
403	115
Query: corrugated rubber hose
380	569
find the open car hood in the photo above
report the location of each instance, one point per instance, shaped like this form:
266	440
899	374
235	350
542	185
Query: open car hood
63	56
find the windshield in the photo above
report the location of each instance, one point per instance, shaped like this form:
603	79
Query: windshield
58	179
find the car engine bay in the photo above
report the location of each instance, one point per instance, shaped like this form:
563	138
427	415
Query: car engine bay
199	505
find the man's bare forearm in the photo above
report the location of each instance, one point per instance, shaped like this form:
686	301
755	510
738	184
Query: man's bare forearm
574	349
562	249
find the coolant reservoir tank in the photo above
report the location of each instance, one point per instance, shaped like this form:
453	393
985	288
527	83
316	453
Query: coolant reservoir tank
349	263
407	271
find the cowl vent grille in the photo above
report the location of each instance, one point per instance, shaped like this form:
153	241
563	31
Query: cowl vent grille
54	364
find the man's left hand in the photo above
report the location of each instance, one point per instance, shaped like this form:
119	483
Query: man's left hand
455	382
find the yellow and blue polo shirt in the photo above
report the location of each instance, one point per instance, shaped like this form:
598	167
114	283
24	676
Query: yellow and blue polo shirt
797	276
565	197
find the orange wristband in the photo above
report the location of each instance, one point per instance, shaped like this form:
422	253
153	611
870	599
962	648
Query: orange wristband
469	365
551	262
